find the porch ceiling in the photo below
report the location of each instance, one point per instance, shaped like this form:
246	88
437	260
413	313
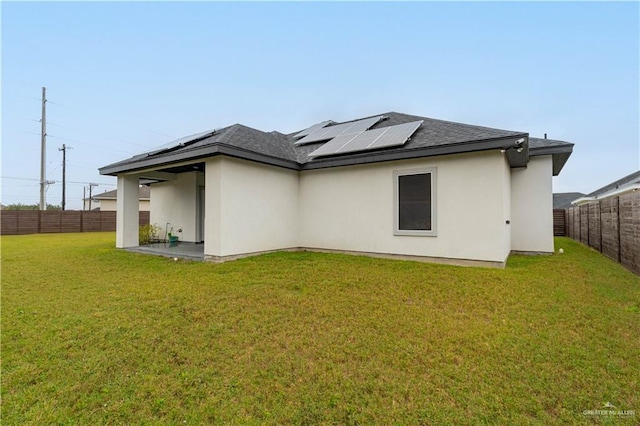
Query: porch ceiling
196	167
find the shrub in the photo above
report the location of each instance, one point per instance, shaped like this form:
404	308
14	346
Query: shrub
147	233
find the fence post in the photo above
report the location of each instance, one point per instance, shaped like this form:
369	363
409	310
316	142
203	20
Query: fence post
589	223
579	224
600	222
618	220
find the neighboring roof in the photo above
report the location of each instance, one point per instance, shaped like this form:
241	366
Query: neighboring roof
562	200
624	185
628	180
112	195
434	137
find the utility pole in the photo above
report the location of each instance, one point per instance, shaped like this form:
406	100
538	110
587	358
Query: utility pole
64	174
91	185
43	151
84	197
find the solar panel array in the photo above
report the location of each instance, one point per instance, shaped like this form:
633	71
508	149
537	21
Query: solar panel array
331	132
181	142
368	140
313	128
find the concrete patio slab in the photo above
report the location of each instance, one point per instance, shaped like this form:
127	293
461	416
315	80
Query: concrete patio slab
181	250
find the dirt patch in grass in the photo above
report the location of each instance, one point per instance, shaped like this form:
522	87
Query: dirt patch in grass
95	335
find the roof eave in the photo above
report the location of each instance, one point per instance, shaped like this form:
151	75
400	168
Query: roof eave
503	143
195	154
559	154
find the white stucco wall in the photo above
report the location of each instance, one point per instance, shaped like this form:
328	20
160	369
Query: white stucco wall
110	205
532	206
174	202
506	205
351	208
250	207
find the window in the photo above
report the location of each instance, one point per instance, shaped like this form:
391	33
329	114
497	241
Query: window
415	202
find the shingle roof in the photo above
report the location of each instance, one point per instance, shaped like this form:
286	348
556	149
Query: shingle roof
562	200
434	137
627	180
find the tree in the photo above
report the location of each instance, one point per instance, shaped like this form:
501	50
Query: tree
20	206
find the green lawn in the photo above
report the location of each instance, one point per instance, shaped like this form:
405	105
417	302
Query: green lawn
95	335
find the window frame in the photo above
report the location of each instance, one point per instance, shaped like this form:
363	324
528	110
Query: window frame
396	202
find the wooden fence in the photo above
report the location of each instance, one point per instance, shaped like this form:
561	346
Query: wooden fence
559	223
611	226
18	222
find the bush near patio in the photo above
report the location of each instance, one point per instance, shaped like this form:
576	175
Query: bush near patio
96	335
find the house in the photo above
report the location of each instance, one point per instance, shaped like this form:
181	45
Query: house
629	183
107	200
393	184
562	200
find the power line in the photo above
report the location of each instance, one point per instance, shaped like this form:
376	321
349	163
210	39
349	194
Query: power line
74	182
49	123
87	183
141	128
91	145
76	166
19	178
58	125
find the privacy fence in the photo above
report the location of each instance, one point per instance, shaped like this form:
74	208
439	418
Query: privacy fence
559	223
16	222
611	226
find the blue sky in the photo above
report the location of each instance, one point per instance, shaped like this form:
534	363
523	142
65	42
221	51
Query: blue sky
122	78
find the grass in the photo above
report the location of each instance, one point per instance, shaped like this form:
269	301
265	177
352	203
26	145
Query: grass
95	335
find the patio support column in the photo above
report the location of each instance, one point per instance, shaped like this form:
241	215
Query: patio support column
213	209
127	216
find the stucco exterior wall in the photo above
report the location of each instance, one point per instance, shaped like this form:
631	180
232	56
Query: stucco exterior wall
174	202
506	205
110	205
351	208
532	206
250	207
483	208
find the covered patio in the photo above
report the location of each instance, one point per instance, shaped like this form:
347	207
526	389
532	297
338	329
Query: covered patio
181	250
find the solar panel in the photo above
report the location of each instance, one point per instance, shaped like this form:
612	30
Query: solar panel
181	142
313	128
331	132
368	140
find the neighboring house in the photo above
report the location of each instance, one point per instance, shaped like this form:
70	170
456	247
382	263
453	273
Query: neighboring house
90	204
387	185
621	186
107	201
562	200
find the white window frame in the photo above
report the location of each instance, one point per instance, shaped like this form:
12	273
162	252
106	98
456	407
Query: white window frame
396	202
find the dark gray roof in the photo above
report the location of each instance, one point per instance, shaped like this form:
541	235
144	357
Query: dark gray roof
560	150
627	180
434	137
112	195
562	200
